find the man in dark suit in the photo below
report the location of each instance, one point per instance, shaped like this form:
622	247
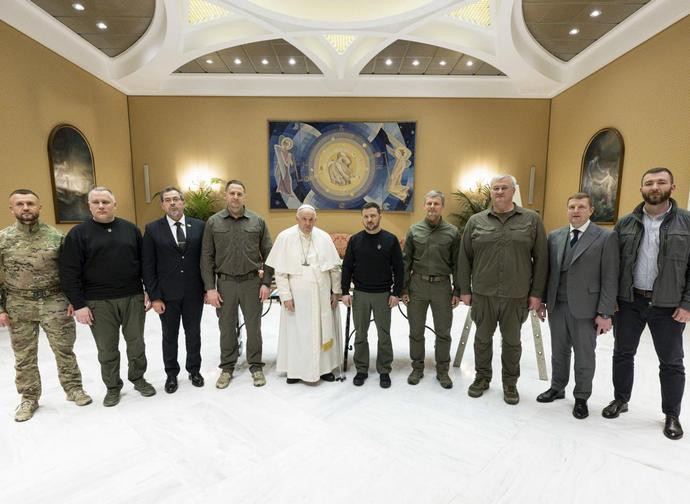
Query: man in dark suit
581	299
171	255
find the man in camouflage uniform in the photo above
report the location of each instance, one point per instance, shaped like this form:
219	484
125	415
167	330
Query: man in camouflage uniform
31	297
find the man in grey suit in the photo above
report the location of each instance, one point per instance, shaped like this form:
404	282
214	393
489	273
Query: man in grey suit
580	297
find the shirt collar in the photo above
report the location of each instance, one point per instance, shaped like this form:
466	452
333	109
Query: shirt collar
228	215
657	217
171	222
582	228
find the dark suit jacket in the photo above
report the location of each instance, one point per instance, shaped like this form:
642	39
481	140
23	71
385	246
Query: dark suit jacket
168	272
593	274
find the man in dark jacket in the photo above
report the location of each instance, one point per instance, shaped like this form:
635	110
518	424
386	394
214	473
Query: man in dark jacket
654	290
171	253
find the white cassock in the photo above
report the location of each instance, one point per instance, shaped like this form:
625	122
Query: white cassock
307	270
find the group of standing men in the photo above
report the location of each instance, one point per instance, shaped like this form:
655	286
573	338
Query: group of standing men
106	275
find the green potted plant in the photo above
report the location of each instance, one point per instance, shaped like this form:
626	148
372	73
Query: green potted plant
203	201
471	202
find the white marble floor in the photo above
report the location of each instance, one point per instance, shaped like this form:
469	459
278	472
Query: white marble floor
334	442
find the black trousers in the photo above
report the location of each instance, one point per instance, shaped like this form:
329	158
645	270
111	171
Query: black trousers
189	309
667	335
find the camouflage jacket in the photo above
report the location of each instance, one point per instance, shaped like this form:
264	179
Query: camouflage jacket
29	258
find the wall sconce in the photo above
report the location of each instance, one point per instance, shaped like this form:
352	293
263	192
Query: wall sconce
532	181
147	184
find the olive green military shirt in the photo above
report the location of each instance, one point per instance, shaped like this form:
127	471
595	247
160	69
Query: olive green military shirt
503	257
234	246
430	250
29	258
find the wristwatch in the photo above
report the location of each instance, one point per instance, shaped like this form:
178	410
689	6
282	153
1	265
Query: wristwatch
604	316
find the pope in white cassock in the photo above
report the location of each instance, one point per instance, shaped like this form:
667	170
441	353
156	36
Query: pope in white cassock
307	274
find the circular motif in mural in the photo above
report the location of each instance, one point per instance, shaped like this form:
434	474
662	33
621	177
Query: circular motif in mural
341	166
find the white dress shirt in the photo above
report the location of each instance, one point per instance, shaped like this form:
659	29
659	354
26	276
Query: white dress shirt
173	227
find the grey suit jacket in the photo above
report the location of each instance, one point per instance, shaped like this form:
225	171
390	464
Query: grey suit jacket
593	274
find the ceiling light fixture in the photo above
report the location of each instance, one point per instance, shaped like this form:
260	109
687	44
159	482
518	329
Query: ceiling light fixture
292	61
595	13
77	6
389	62
209	61
264	61
469	63
574	31
237	61
415	62
101	25
442	62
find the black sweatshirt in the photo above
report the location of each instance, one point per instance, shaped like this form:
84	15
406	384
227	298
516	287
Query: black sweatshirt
101	261
375	262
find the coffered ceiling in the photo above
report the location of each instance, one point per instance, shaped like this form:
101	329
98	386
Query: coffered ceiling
451	48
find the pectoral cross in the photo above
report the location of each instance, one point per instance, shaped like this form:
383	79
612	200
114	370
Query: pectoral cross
305	263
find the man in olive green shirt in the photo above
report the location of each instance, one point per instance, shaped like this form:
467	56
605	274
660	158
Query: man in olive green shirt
235	244
431	247
501	269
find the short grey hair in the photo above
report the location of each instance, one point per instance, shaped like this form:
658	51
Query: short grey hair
304	207
502	176
99	189
435	194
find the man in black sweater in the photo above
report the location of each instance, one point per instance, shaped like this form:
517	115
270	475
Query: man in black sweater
100	273
373	259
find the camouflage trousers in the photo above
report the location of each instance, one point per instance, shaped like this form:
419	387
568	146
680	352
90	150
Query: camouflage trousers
50	313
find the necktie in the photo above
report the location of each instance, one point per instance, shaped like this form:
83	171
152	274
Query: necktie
573	240
181	240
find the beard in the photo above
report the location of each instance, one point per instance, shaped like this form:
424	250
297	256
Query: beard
656	198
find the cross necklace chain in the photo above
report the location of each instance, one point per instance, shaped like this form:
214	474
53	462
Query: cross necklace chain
304	255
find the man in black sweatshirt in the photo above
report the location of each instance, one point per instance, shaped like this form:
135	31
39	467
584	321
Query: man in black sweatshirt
373	259
100	273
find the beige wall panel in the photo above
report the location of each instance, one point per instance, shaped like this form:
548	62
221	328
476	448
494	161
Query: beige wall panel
38	90
645	94
227	137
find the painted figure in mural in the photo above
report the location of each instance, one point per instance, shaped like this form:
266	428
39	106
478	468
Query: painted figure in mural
340	169
402	161
285	162
599	182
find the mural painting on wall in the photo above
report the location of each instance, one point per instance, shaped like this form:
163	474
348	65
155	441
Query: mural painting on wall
71	172
602	169
341	165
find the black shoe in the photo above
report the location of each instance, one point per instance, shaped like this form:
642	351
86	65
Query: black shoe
292	381
580	409
550	395
358	380
672	428
385	380
171	384
615	408
329	377
196	379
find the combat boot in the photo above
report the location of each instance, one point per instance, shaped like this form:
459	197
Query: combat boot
444	380
258	378
25	410
415	376
112	397
144	388
479	385
510	394
224	379
79	397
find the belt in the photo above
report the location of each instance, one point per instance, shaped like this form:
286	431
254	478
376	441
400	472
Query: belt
239	278
33	294
644	293
432	278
